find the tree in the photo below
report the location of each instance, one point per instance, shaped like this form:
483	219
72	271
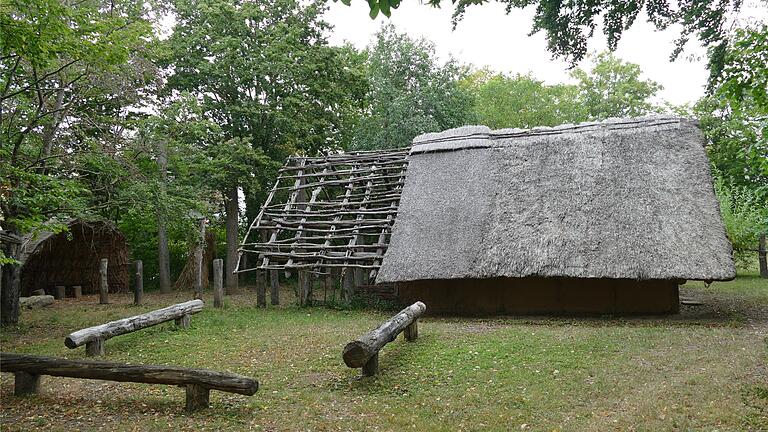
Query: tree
614	88
568	25
61	106
409	92
263	72
521	101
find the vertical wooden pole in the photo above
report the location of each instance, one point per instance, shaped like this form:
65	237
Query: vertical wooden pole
372	366
61	292
218	283
197	397
77	291
138	289
261	289
25	383
274	287
412	331
183	321
199	262
761	257
348	281
94	348
104	285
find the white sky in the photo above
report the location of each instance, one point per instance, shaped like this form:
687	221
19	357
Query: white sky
488	37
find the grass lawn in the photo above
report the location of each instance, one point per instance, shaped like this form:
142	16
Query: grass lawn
704	369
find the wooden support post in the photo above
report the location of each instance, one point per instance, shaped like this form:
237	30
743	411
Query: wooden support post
61	292
199	270
371	367
104	285
412	331
274	287
361	276
94	348
138	288
183	321
348	281
77	291
197	397
261	289
761	257
218	283
25	383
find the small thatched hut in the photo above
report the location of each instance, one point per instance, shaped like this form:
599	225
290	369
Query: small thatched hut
603	217
73	257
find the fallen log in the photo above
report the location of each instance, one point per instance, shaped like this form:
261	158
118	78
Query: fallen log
36	301
364	351
198	382
94	337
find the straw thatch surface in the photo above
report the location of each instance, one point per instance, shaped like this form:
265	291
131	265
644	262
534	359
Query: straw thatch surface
628	199
73	258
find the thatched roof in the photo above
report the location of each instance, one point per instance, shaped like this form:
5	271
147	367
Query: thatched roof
72	257
630	199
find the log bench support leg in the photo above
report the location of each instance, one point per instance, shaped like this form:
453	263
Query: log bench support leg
412	331
197	397
95	348
371	367
183	321
26	383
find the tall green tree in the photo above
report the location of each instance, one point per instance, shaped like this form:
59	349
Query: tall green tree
411	92
614	88
67	72
264	73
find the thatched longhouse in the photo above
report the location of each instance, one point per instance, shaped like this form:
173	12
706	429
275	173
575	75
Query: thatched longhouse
73	258
603	217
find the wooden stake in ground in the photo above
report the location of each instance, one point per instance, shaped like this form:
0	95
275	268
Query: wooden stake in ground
274	287
762	258
199	262
138	289
218	283
104	285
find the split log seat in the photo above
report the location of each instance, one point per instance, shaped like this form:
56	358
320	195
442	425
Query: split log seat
198	382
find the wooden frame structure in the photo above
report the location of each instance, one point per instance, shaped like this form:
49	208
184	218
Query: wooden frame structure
326	213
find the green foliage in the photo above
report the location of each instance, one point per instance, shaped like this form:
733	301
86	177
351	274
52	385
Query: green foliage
410	92
569	25
745	214
614	88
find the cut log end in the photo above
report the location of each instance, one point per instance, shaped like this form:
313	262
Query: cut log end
356	354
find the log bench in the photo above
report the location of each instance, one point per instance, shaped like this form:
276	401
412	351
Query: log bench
27	370
94	337
364	351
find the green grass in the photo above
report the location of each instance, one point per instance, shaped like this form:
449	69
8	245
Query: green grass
702	370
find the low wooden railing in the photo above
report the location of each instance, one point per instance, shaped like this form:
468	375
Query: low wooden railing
364	351
94	337
27	370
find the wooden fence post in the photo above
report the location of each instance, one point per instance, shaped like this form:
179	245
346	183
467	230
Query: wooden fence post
348	281
25	383
261	289
761	257
199	273
218	283
61	292
274	287
104	286
138	289
77	291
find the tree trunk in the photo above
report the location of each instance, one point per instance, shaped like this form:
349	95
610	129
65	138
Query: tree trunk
761	257
163	259
9	287
231	207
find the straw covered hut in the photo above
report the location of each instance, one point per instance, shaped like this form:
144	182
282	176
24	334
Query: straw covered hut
73	258
605	217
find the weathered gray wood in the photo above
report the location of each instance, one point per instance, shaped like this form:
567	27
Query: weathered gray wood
138	288
761	257
183	321
127	325
371	367
104	282
36	301
95	348
61	292
274	287
357	353
261	289
25	383
201	381
199	261
77	291
218	283
348	282
412	331
197	397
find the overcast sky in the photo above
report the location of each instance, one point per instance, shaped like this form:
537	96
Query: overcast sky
488	37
